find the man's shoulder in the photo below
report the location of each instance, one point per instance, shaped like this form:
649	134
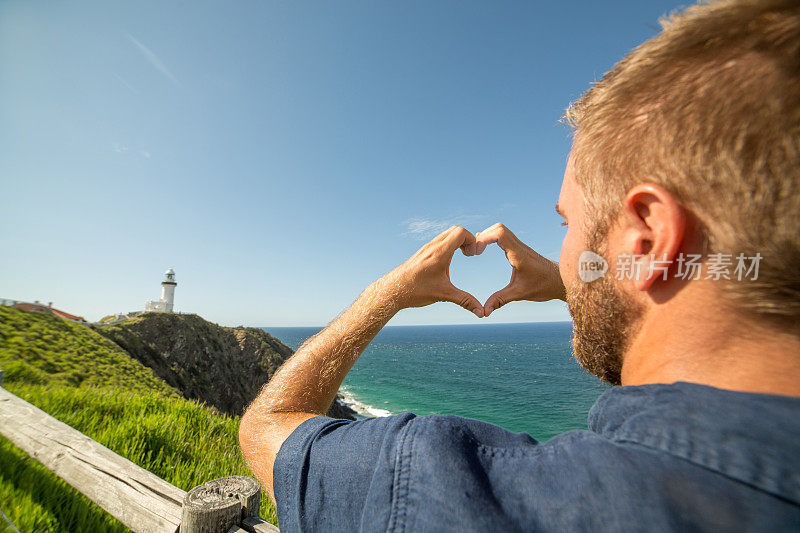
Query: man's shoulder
440	436
580	479
452	446
480	476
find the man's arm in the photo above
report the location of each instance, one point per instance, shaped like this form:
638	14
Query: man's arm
306	384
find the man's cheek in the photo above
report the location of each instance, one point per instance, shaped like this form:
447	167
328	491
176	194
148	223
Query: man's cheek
568	259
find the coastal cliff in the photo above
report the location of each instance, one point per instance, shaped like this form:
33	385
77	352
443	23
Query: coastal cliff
221	366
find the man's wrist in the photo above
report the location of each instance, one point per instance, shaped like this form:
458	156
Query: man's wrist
545	283
559	292
384	296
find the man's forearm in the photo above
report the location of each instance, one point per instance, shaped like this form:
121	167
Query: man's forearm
307	383
309	380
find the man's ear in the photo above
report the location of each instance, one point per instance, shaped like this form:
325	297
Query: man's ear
653	224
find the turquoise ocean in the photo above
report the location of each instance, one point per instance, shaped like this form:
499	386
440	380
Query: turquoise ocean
522	377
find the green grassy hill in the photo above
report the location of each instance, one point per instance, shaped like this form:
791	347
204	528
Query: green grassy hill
90	383
37	348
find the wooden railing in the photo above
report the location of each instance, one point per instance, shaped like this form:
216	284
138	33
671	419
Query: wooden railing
136	497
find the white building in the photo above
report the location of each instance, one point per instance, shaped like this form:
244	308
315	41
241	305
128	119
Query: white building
167	300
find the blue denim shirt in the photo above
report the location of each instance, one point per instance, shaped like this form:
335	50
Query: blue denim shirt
655	458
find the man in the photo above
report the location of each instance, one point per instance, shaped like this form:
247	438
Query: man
686	159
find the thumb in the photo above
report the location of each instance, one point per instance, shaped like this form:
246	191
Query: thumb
465	300
499	299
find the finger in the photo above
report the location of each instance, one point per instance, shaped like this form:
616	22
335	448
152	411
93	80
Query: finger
459	237
499	234
486	237
436	243
497	300
465	300
468	248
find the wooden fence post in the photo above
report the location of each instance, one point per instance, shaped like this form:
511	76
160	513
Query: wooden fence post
220	504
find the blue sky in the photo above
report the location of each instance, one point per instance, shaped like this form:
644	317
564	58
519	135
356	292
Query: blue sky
281	156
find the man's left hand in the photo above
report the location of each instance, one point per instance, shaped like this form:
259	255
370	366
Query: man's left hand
425	277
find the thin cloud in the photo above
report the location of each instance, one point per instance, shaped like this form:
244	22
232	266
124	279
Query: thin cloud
153	59
424	229
124	82
122	149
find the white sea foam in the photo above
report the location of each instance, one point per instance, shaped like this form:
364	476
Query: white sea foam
360	407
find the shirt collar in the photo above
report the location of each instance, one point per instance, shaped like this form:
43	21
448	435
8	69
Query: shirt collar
750	437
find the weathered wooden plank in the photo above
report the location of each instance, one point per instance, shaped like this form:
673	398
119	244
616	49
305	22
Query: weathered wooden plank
134	496
254	524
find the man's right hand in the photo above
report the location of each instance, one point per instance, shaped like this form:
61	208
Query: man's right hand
533	277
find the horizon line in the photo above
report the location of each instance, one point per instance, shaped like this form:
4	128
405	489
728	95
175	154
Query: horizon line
436	325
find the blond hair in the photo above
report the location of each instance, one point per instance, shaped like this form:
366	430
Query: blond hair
710	110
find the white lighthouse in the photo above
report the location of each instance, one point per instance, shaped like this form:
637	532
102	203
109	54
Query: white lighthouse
167	300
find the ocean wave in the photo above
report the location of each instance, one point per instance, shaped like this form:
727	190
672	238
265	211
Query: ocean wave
360	407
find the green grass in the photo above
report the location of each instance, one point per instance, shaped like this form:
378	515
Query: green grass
44	349
78	377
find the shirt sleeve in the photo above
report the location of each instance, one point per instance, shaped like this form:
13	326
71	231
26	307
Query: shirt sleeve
330	473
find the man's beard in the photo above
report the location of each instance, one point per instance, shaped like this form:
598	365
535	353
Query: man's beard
604	320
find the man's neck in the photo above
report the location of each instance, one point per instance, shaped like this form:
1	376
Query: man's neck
693	339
